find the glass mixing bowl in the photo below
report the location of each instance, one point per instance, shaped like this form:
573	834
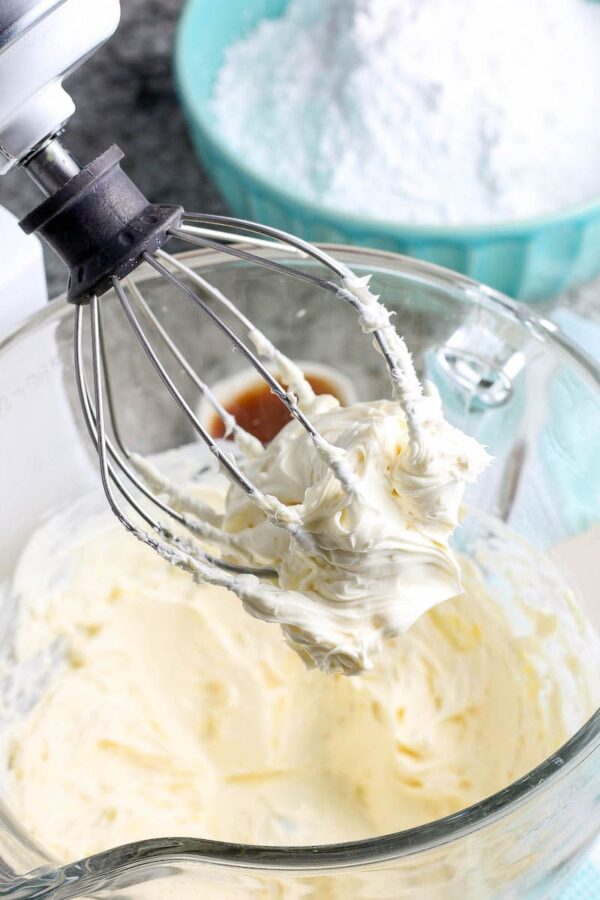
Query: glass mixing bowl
506	377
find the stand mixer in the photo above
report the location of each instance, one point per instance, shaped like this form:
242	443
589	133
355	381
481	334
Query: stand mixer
103	228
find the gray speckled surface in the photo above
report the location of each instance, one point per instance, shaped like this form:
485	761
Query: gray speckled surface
125	94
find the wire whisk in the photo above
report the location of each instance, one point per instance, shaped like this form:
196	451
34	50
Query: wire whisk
103	228
130	483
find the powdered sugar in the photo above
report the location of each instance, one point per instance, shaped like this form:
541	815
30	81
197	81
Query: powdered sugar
424	111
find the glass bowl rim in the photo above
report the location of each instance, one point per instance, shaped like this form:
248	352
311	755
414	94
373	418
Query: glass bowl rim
396	844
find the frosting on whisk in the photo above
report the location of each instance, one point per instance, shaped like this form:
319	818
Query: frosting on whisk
380	553
381	556
352	518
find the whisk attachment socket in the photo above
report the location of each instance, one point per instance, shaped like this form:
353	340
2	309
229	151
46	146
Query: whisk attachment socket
100	224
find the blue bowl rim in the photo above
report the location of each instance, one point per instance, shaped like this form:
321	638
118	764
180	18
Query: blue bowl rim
469	233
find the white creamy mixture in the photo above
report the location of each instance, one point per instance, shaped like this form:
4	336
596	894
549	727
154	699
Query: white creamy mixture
380	555
163	709
424	111
174	713
352	514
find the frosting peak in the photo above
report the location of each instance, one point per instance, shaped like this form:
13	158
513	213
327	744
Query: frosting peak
380	554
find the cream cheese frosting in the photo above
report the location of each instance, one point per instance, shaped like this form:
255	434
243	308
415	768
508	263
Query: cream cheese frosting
379	555
351	509
171	712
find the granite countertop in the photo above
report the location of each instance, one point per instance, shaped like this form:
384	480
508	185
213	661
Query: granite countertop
126	95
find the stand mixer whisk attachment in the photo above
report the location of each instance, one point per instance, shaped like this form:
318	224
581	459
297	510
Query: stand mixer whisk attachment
103	228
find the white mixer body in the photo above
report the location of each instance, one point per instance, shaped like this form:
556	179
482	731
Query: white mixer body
41	42
22	277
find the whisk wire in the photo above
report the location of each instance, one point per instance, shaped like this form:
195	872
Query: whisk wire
341	270
225	459
229	422
105	474
283	238
232	237
205	285
284	396
95	422
123	470
276	511
128	470
108	391
240	253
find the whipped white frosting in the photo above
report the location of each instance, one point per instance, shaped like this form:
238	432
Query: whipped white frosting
166	710
350	508
380	556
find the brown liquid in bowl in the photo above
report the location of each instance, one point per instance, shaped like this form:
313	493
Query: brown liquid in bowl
261	413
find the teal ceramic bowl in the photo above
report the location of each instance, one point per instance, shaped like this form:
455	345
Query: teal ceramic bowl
532	259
